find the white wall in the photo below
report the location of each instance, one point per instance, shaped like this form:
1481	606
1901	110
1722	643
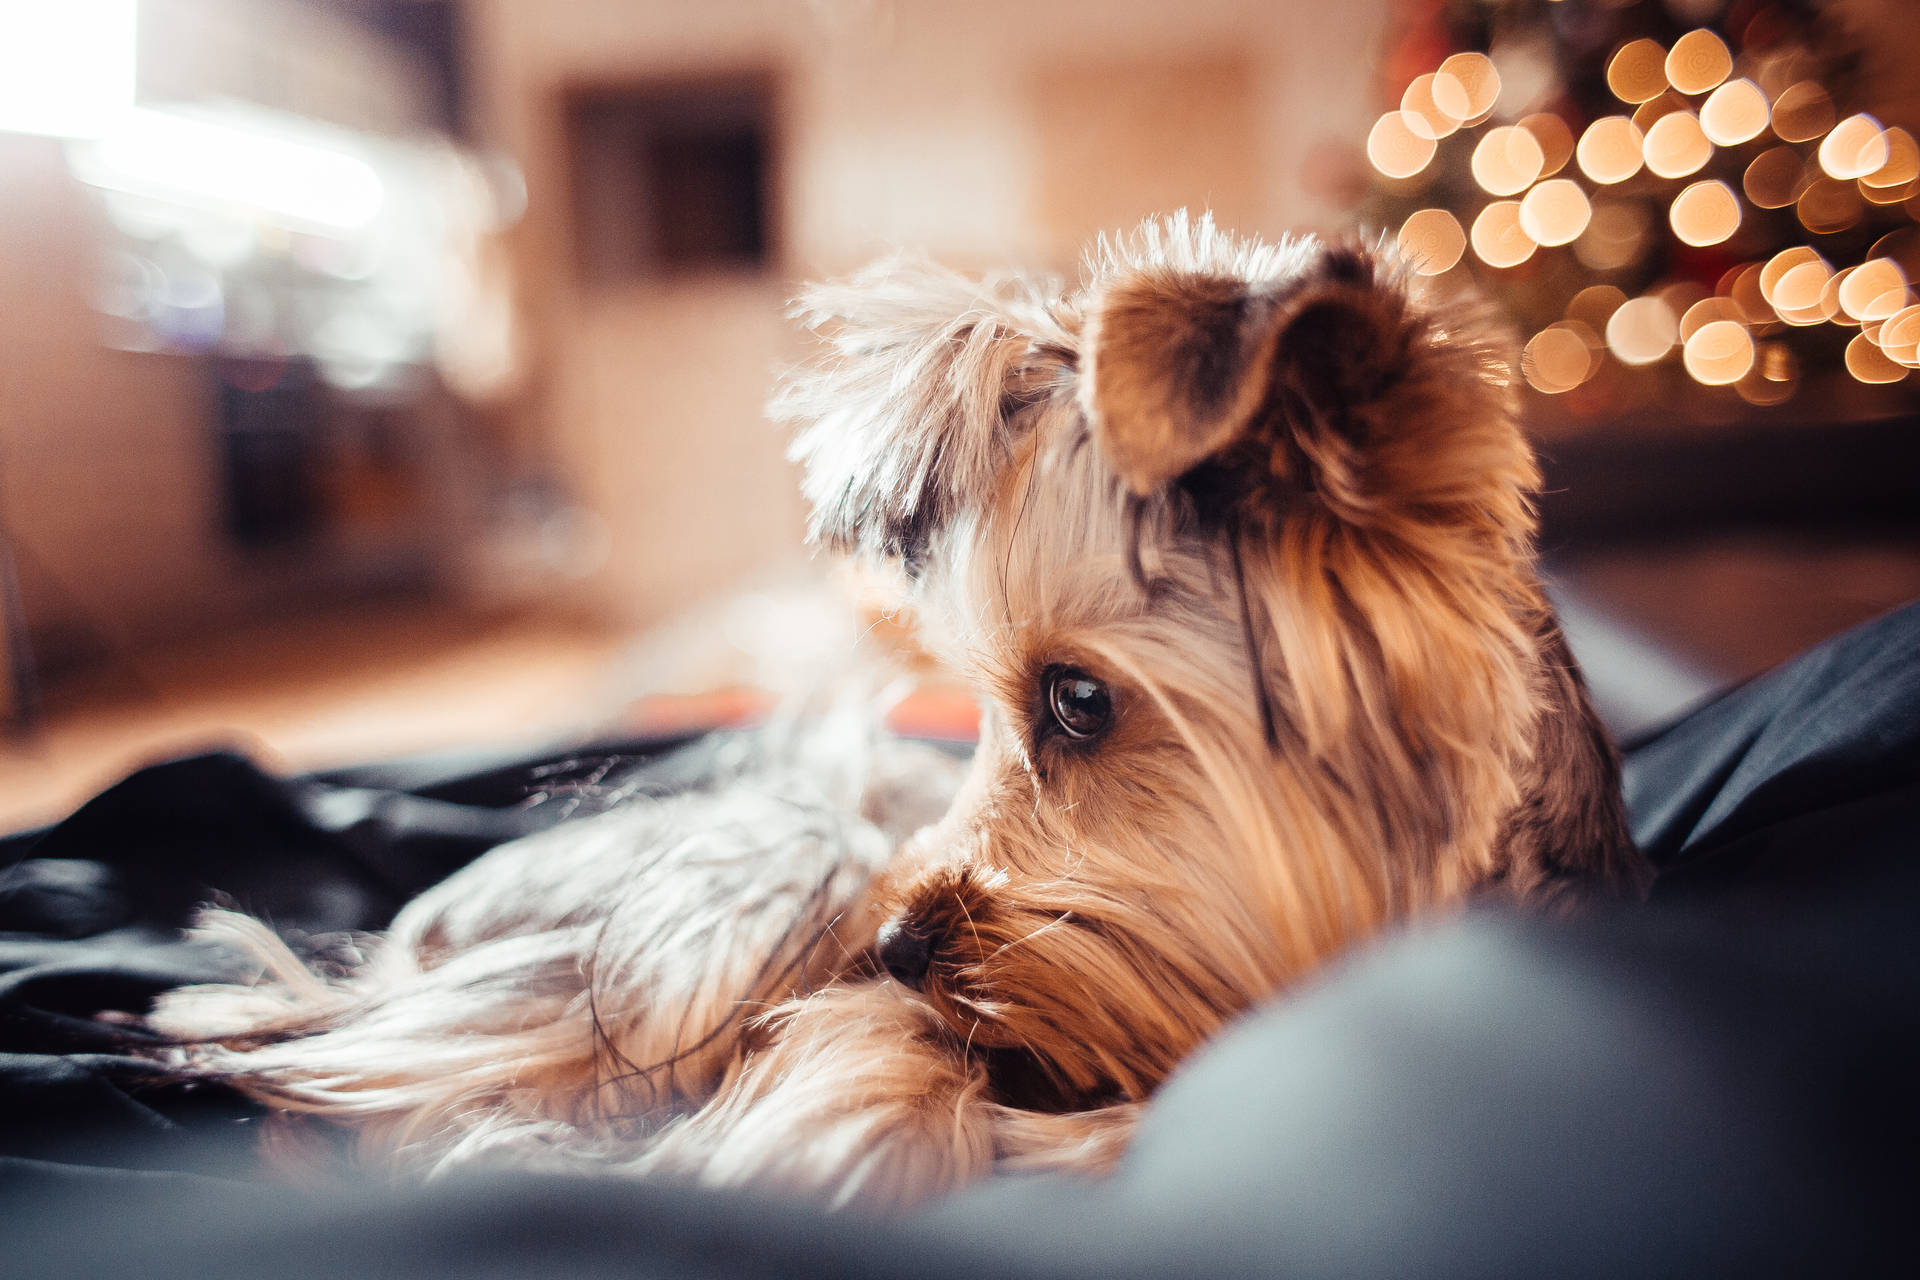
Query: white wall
903	124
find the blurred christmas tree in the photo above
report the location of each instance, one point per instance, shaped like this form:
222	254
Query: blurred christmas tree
1664	194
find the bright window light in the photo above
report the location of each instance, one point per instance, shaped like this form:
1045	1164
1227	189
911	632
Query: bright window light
66	66
247	166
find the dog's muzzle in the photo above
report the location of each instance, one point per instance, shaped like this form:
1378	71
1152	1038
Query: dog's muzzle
905	951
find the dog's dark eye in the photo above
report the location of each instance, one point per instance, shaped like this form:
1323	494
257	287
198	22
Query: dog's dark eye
1078	703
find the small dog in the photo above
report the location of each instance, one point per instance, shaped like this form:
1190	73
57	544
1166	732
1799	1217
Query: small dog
1234	542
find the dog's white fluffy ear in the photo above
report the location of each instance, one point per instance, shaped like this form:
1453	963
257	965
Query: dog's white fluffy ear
1312	370
913	406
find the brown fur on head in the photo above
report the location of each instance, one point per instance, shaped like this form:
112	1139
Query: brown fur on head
1274	501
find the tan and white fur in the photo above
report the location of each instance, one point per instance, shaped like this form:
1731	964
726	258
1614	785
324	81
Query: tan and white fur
1235	543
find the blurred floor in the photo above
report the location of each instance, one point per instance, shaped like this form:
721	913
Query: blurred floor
373	682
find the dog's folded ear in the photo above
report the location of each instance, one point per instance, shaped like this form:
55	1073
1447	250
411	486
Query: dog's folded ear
915	403
1327	377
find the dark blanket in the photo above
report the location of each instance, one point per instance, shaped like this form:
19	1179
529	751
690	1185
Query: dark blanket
1720	1081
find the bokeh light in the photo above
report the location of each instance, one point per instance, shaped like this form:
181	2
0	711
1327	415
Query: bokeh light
1638	71
1829	205
1555	360
1719	353
1424	114
1869	363
1555	212
1901	169
1431	241
1642	330
1615	235
1856	147
1802	113
1900	337
1473	78
1709	311
1594	305
1610	150
1697	62
1507	160
1776	178
1705	213
1498	238
1735	113
1874	290
1781	263
1775	376
1396	148
1675	146
1555	139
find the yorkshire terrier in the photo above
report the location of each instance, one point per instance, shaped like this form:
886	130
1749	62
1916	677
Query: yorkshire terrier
1235	544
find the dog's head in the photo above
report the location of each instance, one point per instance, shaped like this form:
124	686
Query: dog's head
1235	543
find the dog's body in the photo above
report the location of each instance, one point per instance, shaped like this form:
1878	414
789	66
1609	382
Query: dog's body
1235	544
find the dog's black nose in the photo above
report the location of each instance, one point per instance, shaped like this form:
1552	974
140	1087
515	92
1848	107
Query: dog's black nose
904	950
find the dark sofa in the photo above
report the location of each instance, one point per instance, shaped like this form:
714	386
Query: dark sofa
1721	1081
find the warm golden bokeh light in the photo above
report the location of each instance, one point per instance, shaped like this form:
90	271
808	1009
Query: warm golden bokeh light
1473	76
1498	238
1874	290
1800	289
1609	150
1655	108
1776	178
1902	166
1615	235
1594	305
1774	377
1718	353
1802	113
1555	360
1638	71
1781	263
1555	139
1555	212
1675	146
1698	61
1705	213
1736	113
1829	205
1431	241
1506	160
1869	363
1396	148
1707	311
1856	147
1900	337
1425	116
1642	330
1746	294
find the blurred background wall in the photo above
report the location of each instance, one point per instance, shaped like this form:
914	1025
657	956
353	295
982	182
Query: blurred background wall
372	372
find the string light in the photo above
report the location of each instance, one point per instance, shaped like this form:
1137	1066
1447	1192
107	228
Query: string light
1555	139
1705	213
1507	160
1675	146
1698	61
1610	150
1395	148
1642	330
1473	78
1431	241
1555	360
1498	237
1856	147
1802	113
1736	113
1874	290
1719	353
1868	363
1555	212
1638	71
1776	178
1423	112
